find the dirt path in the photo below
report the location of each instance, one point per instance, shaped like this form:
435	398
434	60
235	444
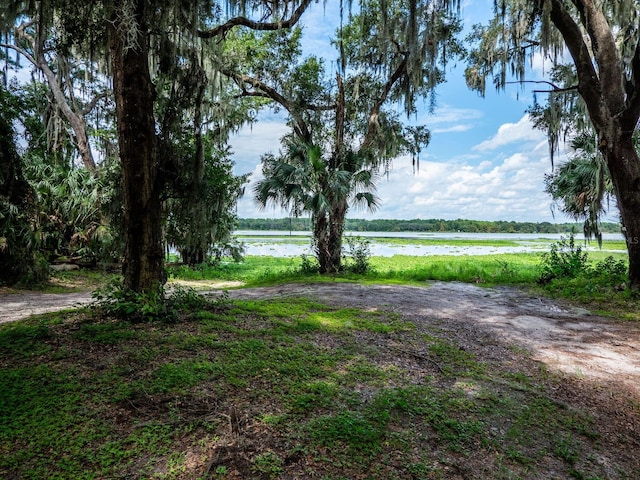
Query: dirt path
566	338
19	305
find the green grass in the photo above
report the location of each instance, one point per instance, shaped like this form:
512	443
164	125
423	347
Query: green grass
283	386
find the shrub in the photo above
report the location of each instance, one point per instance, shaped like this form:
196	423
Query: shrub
564	260
116	301
358	255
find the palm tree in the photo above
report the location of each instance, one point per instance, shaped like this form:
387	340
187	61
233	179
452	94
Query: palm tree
302	181
582	187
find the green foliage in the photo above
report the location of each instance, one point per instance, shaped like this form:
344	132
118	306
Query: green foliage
582	187
564	260
19	258
567	270
308	265
422	225
71	223
269	464
200	210
116	301
358	255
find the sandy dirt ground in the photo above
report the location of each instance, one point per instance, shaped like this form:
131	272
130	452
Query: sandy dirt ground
566	338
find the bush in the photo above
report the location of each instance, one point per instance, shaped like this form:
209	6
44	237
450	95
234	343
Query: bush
116	301
611	271
309	265
358	255
564	260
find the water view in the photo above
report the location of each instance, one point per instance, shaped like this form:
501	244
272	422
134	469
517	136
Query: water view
387	244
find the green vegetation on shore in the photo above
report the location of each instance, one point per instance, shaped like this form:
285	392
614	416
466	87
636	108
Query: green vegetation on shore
419	225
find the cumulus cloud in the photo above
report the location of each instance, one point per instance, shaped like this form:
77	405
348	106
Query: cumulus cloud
480	187
511	188
510	133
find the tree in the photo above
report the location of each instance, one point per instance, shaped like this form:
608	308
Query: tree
31	40
17	207
602	40
581	187
346	131
132	34
302	180
201	220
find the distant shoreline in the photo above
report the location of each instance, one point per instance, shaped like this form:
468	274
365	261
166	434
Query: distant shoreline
424	225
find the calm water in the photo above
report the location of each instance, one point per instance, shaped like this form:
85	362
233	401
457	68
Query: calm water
293	244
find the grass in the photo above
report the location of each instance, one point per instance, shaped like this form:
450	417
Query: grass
296	388
260	389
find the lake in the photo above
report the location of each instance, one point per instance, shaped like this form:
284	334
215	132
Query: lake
293	244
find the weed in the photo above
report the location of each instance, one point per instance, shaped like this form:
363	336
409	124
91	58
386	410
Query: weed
355	431
116	301
268	464
308	265
357	255
564	260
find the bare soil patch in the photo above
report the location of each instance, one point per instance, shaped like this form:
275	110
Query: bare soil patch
565	337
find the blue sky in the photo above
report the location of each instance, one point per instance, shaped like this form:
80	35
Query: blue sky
485	160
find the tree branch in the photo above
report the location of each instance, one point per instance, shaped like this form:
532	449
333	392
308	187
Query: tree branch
254	25
554	88
22	52
300	125
605	51
94	101
375	110
588	80
75	119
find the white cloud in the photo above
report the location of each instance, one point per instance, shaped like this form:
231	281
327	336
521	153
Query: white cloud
509	133
452	129
449	115
505	189
486	188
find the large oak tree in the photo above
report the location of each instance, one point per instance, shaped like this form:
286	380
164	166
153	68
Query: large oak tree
128	37
600	41
346	130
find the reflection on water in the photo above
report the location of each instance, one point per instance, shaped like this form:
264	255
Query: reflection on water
293	244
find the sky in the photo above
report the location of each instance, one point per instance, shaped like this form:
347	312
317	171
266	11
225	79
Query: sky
485	160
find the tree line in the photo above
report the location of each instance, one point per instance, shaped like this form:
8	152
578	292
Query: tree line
424	225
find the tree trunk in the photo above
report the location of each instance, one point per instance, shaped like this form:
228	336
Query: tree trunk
143	267
624	167
336	230
193	256
321	239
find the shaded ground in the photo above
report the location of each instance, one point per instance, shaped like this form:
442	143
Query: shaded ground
599	361
564	337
